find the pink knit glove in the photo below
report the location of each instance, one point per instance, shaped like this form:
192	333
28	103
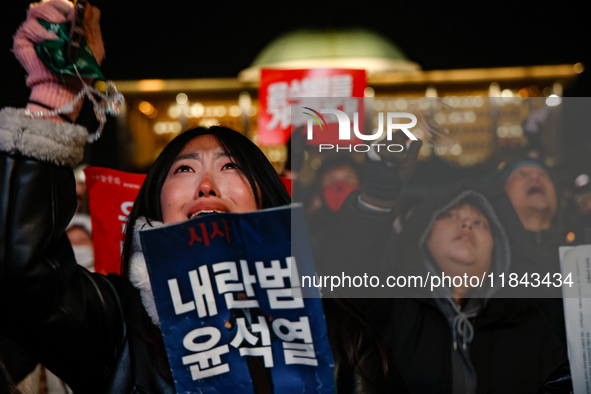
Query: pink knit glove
46	87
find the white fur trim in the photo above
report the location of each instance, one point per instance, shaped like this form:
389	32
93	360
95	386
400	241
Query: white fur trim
41	139
138	270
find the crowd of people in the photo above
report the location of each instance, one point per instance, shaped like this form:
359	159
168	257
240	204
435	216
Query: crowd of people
100	334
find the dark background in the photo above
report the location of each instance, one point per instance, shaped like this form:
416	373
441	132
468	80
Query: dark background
202	39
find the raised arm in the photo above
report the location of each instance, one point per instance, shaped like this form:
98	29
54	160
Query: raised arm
360	234
56	310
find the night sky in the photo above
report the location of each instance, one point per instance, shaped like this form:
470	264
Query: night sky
199	39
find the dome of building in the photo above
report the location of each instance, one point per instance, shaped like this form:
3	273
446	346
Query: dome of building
343	48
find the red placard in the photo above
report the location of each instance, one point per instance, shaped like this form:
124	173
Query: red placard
111	195
277	87
287	183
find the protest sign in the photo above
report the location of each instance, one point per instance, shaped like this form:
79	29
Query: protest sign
577	304
279	88
111	195
230	304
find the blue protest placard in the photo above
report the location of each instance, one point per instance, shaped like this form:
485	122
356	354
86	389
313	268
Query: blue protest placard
232	315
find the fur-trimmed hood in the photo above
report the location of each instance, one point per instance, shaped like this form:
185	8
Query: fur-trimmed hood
41	139
138	270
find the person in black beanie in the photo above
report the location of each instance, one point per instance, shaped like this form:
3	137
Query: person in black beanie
532	188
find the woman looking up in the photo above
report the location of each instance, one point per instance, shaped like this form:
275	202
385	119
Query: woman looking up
93	331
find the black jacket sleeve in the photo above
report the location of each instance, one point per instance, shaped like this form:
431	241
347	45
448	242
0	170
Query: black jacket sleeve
57	311
355	244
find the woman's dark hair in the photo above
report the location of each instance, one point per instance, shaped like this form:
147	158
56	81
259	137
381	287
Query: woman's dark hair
263	179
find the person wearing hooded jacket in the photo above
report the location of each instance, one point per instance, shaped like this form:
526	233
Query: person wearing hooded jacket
533	189
469	340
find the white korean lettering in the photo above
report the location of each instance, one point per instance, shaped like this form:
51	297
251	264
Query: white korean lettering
177	302
266	352
202	292
295	330
207	362
299	353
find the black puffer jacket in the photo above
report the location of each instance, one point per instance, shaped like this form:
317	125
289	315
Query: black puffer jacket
90	330
512	350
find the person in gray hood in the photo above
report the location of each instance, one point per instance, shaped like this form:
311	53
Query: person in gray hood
452	339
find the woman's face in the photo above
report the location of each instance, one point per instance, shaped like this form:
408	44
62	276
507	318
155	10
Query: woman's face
461	242
202	180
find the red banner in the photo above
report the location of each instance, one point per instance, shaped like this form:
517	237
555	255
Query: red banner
287	183
111	195
277	87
